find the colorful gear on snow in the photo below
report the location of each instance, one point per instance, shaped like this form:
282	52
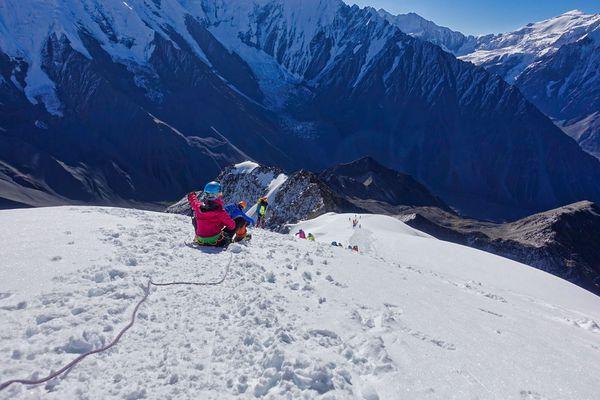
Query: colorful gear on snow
210	241
234	212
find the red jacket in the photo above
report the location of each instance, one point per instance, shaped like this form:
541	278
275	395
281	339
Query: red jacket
210	218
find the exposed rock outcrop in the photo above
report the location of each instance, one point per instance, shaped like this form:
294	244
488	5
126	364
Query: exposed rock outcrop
298	196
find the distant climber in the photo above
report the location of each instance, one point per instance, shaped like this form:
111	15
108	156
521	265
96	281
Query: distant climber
213	225
241	219
355	248
261	211
311	237
301	234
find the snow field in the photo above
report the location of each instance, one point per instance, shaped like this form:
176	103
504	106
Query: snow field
294	319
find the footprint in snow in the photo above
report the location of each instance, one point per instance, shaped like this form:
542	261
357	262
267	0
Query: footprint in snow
491	312
586	324
19	306
495	297
43	318
77	310
531	395
369	393
324	337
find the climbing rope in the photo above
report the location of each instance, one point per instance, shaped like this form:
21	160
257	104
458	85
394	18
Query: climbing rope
146	290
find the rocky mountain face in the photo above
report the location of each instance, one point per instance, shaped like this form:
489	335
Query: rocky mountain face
566	86
299	196
82	122
554	63
116	101
365	182
564	242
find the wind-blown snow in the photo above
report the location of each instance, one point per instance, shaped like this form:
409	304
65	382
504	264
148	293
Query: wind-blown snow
273	185
412	317
245	167
276	184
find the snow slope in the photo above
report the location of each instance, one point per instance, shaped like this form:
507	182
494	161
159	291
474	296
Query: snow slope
412	318
332	227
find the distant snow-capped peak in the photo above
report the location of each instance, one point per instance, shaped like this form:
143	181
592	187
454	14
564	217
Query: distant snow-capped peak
533	41
522	46
417	26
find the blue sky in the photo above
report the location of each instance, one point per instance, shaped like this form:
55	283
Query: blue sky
483	16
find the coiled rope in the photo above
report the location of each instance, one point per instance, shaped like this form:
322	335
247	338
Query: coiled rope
80	358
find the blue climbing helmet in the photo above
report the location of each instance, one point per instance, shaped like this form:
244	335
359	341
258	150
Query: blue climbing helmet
212	190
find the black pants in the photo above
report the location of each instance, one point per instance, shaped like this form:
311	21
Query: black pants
240	222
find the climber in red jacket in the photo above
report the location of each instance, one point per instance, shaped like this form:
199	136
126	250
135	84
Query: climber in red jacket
214	226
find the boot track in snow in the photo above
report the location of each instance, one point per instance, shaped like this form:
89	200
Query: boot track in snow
117	338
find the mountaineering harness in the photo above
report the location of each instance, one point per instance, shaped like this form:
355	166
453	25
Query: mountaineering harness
146	289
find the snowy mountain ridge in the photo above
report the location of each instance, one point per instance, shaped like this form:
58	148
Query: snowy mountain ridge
407	316
198	85
566	85
553	62
508	54
126	31
518	50
417	26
